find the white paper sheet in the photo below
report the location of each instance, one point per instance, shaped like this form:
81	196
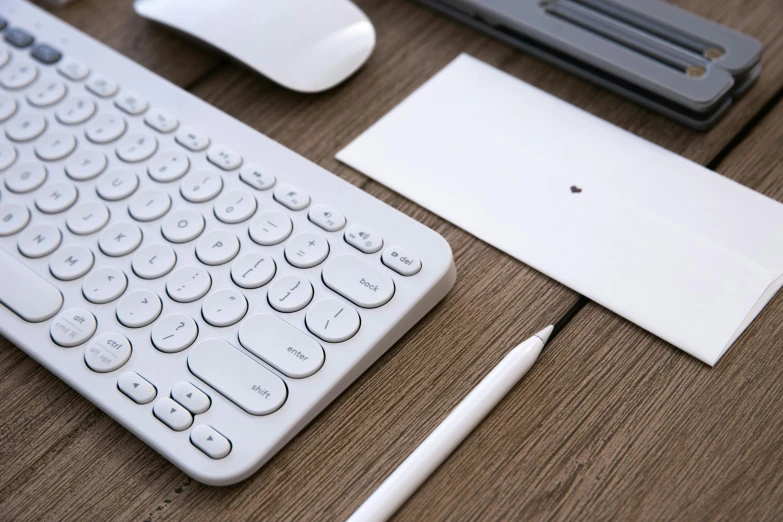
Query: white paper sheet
683	252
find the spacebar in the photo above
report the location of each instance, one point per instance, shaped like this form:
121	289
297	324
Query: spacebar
25	293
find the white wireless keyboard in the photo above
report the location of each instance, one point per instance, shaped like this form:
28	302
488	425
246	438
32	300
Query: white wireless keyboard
208	288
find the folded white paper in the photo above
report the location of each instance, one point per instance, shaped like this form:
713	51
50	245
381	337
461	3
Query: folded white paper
683	252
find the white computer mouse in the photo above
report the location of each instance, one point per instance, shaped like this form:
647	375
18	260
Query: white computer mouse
304	45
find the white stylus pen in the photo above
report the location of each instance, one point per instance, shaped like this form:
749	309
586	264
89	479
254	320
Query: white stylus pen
431	453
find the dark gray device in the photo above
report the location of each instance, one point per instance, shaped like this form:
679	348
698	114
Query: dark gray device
660	56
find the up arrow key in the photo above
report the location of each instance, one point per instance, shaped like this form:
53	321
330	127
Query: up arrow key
209	438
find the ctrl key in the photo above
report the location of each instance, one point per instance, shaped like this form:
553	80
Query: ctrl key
108	352
137	388
209	441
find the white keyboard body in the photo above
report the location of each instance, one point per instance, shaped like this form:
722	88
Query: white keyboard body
266	375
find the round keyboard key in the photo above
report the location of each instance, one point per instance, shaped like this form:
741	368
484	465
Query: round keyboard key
195	400
101	86
104	285
136	147
149	205
174	332
119	239
161	121
401	261
85	164
172	414
139	308
223	157
73	69
46	93
205	438
55	146
167	166
73	327
56	197
137	388
363	239
71	262
291	197
154	261
7	156
87	218
131	103
359	282
75	111
117	184
270	228
13	218
182	225
217	247
7	107
326	218
192	139
290	293
25	127
105	128
257	177
253	270
224	307
332	320
18	75
200	186
39	240
235	206
188	283
306	250
25	177
107	352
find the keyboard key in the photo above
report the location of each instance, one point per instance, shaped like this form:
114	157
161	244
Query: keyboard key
235	206
188	283
182	225
39	240
137	388
4	56
18	75
101	86
13	218
281	345
87	218
26	293
306	250
46	54
7	156
257	177
108	352
119	239
401	261
363	239
104	285
149	205
139	308
153	261
105	128
291	197
332	320
73	327
172	414
253	270
201	186
217	247
240	379
19	38
25	127
270	228
224	307
55	146
73	69
193	399
167	166
46	93
85	164
192	139
174	332
224	157
71	262
7	107
136	147
326	217
55	197
75	110
117	185
131	103
290	293
25	177
358	282
161	121
212	443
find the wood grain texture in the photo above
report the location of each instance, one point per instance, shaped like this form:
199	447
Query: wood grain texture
612	423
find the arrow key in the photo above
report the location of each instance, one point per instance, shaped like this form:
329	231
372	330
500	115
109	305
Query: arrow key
208	440
137	388
172	414
195	400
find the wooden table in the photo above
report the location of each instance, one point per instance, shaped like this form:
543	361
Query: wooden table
612	423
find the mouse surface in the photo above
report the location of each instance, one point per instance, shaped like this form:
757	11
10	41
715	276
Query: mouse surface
304	45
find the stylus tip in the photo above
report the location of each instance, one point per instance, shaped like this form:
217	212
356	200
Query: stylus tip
545	333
